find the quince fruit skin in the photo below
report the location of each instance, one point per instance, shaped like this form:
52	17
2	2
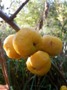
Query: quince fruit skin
39	63
52	45
27	41
63	87
8	47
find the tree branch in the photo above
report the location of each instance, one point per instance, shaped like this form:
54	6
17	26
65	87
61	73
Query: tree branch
17	11
44	15
9	21
3	65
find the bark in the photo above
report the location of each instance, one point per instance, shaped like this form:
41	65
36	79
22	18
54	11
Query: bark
44	15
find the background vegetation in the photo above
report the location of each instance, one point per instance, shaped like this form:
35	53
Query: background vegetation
55	24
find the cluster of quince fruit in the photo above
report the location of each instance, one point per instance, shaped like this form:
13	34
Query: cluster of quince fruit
36	49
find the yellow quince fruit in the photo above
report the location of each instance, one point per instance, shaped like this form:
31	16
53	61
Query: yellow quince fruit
27	41
39	63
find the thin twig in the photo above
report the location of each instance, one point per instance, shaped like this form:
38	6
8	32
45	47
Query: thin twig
3	64
17	11
61	75
51	80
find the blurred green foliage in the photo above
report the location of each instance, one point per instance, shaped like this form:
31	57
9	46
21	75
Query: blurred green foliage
55	24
